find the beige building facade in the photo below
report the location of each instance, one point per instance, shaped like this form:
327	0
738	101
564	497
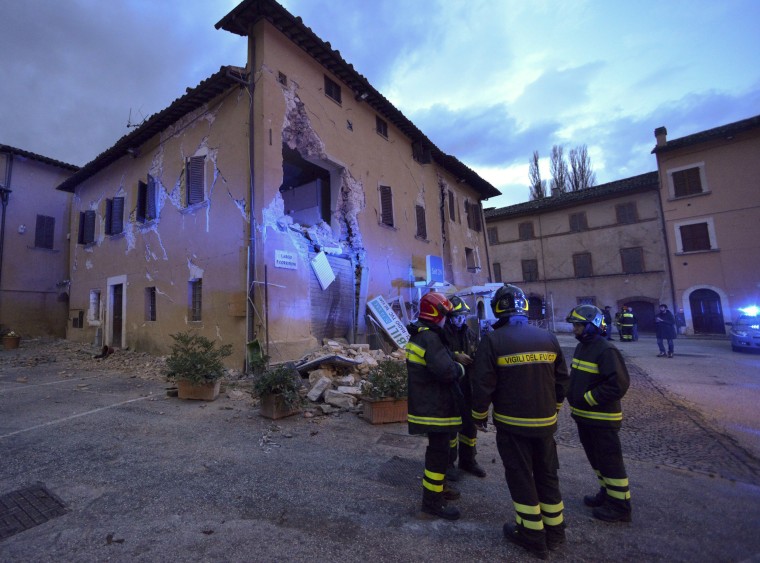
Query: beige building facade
711	205
269	203
603	246
34	249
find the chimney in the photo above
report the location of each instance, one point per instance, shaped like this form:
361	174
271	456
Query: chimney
661	134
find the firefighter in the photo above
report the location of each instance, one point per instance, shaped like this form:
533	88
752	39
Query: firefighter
433	408
461	341
520	369
627	320
598	381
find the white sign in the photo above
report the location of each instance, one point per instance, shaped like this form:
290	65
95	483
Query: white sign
322	269
285	259
388	321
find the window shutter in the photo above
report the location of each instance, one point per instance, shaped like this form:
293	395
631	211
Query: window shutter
142	194
109	215
194	177
117	219
695	237
497	272
493	235
452	207
633	260
386	205
421	226
687	182
87	227
43	234
151	206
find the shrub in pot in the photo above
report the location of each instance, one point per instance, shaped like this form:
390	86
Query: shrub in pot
195	363
279	389
384	393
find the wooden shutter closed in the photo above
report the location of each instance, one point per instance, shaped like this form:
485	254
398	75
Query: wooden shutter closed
386	205
421	225
43	234
194	177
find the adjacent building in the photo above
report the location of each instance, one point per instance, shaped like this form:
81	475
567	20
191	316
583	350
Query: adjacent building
603	246
268	204
34	246
710	197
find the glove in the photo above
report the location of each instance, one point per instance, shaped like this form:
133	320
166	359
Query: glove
463	358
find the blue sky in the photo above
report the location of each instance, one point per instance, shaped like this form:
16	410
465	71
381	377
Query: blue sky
488	81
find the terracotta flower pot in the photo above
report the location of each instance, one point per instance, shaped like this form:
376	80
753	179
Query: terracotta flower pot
383	411
198	391
274	407
11	342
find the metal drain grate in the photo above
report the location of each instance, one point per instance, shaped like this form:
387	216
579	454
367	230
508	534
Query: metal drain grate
27	508
401	472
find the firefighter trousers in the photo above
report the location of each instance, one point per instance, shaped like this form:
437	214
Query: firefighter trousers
605	454
436	461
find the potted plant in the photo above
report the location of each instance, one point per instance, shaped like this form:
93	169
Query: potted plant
279	389
196	365
384	395
11	340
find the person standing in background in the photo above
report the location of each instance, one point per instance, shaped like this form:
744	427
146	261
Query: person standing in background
608	321
665	325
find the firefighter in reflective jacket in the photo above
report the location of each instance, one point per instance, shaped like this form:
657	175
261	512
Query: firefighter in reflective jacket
627	320
461	341
433	409
598	381
520	369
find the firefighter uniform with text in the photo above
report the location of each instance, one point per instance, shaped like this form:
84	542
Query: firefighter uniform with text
433	409
520	369
598	381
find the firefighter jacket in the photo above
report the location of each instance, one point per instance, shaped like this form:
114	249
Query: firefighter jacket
519	368
598	380
432	374
627	319
460	339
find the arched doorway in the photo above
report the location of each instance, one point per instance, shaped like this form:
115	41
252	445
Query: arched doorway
706	312
644	313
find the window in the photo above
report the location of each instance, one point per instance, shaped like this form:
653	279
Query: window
115	216
146	200
421	153
530	270
578	222
150	303
381	127
195	179
497	272
695	237
86	227
687	182
93	313
452	207
332	90
421	227
582	265
632	259
526	231
471	260
472	210
626	213
195	299
386	206
493	235
43	234
586	300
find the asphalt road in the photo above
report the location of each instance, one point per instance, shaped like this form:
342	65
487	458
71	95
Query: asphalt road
129	474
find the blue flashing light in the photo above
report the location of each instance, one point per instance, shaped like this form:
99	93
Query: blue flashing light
752	310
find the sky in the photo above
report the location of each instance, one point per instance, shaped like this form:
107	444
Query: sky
488	81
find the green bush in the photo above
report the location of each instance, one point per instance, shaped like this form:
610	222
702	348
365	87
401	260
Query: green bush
282	380
195	358
387	379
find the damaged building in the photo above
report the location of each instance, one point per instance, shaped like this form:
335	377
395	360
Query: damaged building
270	203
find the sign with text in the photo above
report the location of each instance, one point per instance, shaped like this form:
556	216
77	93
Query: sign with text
285	259
388	321
434	269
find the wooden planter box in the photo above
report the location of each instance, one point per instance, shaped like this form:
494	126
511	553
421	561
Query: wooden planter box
383	411
11	342
274	407
198	391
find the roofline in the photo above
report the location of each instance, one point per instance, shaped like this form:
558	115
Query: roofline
7	149
249	12
221	81
723	132
635	184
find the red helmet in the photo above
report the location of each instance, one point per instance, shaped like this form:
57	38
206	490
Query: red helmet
434	307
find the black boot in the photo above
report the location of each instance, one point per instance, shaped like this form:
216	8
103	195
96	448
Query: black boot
555	536
435	504
596	500
450	493
452	473
471	466
535	546
614	511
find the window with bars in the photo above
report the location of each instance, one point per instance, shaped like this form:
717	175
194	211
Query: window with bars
586	300
93	311
452	207
578	222
626	213
195	299
530	270
150	303
332	90
695	237
86	227
147	207
195	180
497	272
526	231
381	126
114	216
493	235
421	224
632	260
582	265
471	260
386	206
687	182
44	232
472	210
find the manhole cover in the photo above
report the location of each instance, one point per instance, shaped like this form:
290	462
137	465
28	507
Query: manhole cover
399	440
27	508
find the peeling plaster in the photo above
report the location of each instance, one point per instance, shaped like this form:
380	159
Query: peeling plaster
195	272
88	264
241	205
